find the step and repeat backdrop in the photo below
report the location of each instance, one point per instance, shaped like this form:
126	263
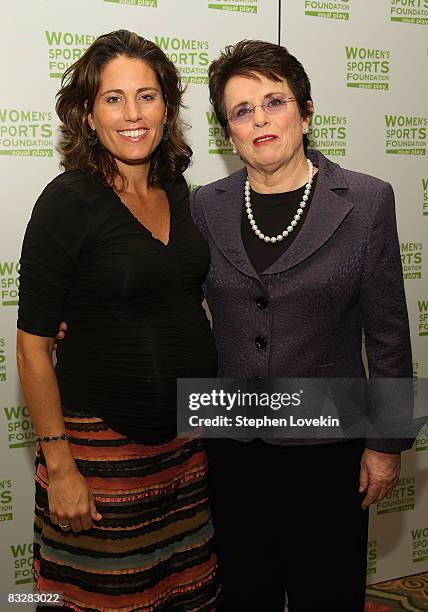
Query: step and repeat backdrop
368	63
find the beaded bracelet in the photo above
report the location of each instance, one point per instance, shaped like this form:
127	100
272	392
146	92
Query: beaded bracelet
62	436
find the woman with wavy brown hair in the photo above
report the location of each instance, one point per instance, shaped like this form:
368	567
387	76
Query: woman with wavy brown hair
122	518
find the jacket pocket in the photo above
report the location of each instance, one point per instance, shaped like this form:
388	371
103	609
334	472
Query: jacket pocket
348	368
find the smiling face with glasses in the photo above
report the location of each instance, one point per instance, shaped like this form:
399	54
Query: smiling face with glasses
265	125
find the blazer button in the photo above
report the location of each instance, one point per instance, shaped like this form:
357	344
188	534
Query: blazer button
261	302
260	342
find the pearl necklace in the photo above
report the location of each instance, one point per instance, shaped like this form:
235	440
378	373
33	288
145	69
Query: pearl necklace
297	216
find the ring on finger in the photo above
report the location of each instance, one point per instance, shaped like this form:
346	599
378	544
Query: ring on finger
64	525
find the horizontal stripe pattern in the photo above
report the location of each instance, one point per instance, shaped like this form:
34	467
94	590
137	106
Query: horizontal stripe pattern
153	548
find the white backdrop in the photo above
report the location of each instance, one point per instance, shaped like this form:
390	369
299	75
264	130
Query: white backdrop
43	37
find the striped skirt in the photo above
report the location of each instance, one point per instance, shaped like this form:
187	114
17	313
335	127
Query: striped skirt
153	548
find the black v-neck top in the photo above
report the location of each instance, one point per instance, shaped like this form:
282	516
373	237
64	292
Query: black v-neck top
133	305
273	213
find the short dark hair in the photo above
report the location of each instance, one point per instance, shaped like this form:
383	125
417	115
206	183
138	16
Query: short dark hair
251	58
75	100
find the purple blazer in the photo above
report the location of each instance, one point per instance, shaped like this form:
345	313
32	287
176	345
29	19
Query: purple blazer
342	274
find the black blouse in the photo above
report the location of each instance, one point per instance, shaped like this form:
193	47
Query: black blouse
133	305
273	213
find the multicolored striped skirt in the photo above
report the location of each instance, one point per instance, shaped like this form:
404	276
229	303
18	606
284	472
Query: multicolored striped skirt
153	549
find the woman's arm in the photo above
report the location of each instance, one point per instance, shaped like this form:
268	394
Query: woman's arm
386	325
70	500
59	225
387	341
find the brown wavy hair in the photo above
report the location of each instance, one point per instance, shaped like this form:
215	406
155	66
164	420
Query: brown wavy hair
251	58
75	100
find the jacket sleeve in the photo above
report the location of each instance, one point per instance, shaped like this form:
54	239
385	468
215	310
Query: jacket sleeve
199	220
195	208
386	324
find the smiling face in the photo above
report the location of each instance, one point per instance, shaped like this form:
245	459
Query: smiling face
265	141
129	112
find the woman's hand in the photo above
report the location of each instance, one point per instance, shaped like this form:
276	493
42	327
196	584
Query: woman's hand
62	330
378	475
71	504
70	500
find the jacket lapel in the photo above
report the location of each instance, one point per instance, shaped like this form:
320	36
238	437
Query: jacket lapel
326	213
223	217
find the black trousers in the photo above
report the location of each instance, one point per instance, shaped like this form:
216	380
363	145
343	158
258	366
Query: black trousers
289	518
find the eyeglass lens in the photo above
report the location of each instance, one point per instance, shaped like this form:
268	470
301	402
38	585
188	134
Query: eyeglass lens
272	105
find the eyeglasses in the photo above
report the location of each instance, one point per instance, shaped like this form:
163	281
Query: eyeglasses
274	105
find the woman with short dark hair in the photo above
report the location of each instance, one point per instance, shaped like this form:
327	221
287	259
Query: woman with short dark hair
122	517
304	255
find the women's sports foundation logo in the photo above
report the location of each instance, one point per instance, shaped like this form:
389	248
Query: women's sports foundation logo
236	6
401	498
328	10
409	11
26	133
328	134
371	557
19	427
190	57
422	317
6	508
64	48
9	283
405	135
367	68
218	143
419	544
22	562
150	3
411	259
421	442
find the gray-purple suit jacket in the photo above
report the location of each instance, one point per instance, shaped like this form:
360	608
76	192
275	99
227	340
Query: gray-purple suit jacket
342	274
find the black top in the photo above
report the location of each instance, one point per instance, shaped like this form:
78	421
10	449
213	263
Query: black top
133	305
273	213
